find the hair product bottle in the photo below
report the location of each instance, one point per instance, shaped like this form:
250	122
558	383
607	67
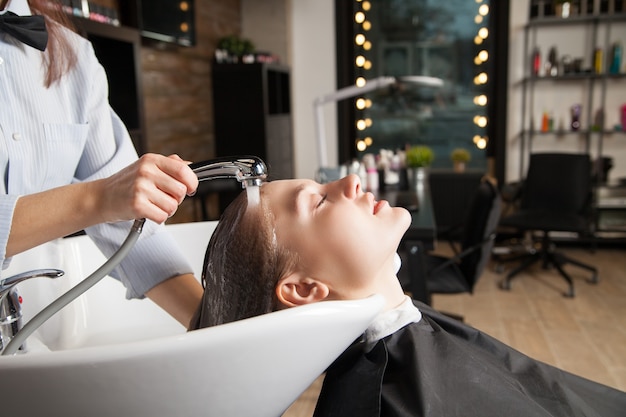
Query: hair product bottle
616	58
575	110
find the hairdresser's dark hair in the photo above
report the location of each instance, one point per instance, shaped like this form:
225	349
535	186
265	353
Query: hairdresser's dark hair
242	266
60	56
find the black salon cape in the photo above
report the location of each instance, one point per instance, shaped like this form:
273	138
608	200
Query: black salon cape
440	367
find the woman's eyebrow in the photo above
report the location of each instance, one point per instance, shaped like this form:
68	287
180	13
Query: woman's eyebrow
298	195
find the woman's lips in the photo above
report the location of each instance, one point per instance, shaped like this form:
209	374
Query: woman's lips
378	205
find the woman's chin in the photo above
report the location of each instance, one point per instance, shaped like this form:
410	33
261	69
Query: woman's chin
405	218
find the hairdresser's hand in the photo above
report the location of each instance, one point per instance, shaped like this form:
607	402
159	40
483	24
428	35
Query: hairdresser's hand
151	188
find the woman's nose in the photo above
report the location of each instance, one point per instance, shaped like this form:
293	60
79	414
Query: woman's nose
351	185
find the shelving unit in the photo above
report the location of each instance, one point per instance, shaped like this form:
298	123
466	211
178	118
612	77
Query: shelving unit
595	24
252	115
590	87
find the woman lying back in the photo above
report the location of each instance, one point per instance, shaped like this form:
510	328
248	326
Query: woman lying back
304	242
307	242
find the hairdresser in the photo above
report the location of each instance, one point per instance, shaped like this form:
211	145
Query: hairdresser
68	164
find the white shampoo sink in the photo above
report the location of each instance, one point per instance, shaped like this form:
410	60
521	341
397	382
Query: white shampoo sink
104	355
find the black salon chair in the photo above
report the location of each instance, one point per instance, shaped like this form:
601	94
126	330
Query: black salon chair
451	193
459	273
556	196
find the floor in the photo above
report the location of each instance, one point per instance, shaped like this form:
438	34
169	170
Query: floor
585	335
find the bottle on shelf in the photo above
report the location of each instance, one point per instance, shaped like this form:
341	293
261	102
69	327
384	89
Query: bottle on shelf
616	58
550	122
536	60
372	180
575	112
598	121
552	65
597	60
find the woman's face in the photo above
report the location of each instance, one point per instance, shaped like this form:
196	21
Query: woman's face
342	235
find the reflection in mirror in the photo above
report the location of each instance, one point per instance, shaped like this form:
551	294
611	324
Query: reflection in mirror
450	40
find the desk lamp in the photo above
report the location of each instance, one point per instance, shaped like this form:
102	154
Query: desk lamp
324	172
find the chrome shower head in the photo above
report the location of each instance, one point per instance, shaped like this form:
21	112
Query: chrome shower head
247	169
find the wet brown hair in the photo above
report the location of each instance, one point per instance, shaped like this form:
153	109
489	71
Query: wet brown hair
60	57
242	265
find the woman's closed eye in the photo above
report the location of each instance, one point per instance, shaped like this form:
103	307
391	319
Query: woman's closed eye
322	201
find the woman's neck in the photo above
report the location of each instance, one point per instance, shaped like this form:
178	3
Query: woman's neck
393	292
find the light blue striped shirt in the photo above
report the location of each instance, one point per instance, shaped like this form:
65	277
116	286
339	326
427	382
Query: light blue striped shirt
68	133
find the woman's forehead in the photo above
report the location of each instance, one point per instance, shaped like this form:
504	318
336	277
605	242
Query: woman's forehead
283	194
287	187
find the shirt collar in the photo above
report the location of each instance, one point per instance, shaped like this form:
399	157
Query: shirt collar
389	322
19	7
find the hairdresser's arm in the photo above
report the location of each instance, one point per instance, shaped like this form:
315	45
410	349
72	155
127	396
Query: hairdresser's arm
151	188
179	296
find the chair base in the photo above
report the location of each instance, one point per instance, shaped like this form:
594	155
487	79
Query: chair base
549	257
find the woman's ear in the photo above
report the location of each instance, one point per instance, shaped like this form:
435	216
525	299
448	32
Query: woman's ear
295	290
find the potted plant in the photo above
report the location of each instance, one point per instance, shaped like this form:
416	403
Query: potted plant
418	159
419	156
460	157
233	49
